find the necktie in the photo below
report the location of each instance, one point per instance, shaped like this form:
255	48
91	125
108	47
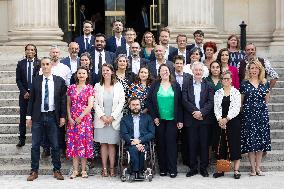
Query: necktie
30	74
46	105
87	43
100	60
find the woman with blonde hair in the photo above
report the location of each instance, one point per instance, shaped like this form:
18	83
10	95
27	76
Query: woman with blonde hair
255	131
148	44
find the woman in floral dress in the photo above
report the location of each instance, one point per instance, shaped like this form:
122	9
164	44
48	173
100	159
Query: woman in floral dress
80	98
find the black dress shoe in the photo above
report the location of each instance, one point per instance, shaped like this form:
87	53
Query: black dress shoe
139	176
216	175
204	173
20	144
162	174
45	153
191	173
173	175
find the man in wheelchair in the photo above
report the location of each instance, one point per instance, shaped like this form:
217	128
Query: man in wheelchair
137	130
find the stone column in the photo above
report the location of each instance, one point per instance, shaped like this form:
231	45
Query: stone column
277	44
186	16
34	21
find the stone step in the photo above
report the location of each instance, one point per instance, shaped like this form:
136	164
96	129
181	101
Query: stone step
276	115
10	129
9	94
279	84
9	102
277	91
9	118
277	134
8	87
8	74
276	107
10	110
8	67
11	149
276	124
277	144
13	138
276	99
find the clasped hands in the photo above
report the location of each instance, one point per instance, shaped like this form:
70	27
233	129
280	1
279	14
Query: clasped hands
223	122
197	115
107	120
138	145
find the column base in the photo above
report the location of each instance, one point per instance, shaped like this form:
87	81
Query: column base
277	44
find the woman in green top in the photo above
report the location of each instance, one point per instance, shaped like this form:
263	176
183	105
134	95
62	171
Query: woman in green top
214	79
164	105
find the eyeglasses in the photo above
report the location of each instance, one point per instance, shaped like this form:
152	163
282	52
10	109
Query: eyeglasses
226	79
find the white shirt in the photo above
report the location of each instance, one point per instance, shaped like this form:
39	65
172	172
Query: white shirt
50	94
73	64
183	54
179	79
118	41
158	66
135	64
197	90
89	40
127	49
167	52
97	57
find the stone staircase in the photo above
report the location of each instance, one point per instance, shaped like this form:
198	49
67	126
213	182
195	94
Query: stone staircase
15	161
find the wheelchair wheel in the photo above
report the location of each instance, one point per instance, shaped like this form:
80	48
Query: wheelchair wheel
123	178
131	178
150	177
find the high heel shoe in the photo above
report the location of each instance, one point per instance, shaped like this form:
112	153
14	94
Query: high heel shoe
112	172
259	173
252	174
74	174
104	172
84	174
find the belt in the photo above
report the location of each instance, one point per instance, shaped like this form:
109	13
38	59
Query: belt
48	113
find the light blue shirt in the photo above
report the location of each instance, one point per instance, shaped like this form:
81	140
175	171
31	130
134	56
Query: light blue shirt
179	79
197	90
136	119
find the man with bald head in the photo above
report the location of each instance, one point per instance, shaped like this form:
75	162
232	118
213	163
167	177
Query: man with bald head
154	66
72	61
135	61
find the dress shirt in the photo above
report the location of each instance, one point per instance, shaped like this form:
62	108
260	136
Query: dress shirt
118	41
50	93
183	54
127	50
136	119
89	40
158	66
135	64
62	71
73	64
167	52
179	78
97	57
197	90
32	65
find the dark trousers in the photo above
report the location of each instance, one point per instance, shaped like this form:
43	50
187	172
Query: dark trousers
136	159
61	140
47	126
198	145
166	135
183	145
23	103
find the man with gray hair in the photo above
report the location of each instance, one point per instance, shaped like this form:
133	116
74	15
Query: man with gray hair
198	102
135	61
72	61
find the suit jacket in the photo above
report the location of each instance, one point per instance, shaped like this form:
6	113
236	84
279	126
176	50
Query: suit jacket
206	102
111	44
174	53
171	51
146	128
153	70
21	74
143	63
152	102
117	105
67	62
34	107
121	50
81	41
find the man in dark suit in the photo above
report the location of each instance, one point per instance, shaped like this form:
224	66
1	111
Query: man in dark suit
86	41
137	129
198	38
72	61
197	96
181	41
26	70
117	40
135	62
159	56
99	55
130	36
164	39
46	112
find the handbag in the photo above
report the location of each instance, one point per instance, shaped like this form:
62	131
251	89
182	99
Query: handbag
223	165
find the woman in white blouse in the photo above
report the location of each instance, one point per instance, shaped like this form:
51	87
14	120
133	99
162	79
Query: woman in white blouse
227	104
110	98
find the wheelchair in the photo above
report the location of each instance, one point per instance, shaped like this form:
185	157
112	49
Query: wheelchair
124	164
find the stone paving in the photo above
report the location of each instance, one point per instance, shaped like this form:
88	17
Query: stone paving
272	180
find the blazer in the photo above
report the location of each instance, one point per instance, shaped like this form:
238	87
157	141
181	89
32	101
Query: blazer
67	61
117	105
21	74
174	53
143	63
146	128
34	106
235	103
152	101
206	102
153	70
121	50
111	44
81	42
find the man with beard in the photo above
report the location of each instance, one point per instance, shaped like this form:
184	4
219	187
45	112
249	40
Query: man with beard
130	36
250	55
135	62
137	130
26	70
117	40
87	40
72	61
99	55
164	39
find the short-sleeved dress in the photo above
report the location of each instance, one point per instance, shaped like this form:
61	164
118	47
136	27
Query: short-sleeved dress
255	130
139	91
80	136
